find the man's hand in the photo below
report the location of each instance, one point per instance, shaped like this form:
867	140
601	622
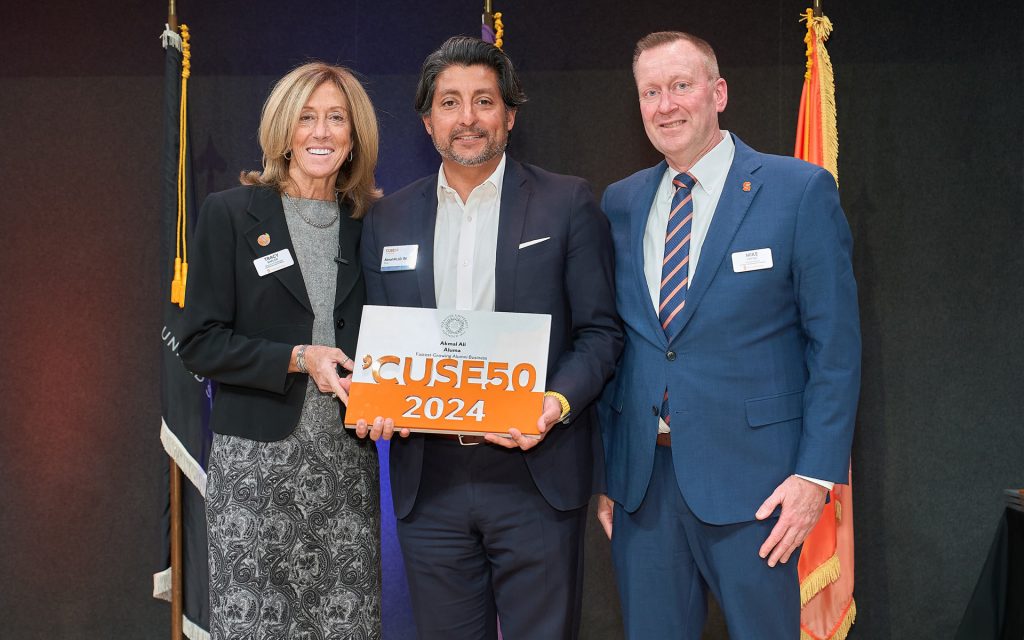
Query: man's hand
802	502
605	513
549	415
381	428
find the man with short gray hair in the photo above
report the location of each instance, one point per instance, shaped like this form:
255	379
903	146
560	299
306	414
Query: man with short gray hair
731	413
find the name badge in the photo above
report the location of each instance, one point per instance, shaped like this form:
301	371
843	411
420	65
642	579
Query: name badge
752	260
273	262
399	257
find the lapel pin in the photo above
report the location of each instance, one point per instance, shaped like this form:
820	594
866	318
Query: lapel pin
264	239
746	186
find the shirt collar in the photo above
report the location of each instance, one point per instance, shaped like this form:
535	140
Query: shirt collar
496	179
712	169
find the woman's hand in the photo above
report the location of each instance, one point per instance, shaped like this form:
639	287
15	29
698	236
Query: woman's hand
322	365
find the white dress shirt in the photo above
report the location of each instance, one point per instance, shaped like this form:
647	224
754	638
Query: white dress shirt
710	172
465	243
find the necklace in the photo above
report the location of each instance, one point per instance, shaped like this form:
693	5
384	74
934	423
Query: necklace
297	211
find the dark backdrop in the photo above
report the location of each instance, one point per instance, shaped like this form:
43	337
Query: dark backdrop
931	176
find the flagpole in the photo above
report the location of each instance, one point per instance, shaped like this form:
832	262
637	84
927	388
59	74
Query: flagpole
488	19
177	593
177	604
816	8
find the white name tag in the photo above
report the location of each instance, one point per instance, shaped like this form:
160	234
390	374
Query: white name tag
273	262
752	260
399	257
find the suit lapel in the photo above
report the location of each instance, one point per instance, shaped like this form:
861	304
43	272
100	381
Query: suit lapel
426	219
265	208
732	208
515	197
640	211
348	236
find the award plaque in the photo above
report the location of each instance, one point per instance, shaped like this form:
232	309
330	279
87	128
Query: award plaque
448	371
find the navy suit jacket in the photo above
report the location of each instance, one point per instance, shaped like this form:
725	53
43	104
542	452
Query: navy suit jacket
240	327
764	376
568	276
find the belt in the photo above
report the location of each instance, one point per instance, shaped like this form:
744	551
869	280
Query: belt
466	441
664	439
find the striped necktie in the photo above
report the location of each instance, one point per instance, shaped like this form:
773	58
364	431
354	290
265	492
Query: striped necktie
675	268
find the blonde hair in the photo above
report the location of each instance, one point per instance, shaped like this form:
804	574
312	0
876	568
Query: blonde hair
280	116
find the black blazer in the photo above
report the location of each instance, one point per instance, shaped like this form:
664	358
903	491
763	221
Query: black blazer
240	328
567	275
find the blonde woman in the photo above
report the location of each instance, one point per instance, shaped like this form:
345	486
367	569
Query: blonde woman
275	297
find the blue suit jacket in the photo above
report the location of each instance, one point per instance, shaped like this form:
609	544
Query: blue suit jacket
568	276
765	373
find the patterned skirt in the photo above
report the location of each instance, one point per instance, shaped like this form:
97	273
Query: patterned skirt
294	533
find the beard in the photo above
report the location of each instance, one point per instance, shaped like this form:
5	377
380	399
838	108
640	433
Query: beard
493	147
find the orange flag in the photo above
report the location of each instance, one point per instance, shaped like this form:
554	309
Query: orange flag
826	561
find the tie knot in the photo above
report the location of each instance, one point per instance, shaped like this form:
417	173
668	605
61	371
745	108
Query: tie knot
684	181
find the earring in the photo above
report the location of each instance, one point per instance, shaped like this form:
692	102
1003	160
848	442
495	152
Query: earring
350	156
288	154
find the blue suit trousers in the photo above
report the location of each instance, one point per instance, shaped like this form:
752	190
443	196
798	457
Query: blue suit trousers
666	559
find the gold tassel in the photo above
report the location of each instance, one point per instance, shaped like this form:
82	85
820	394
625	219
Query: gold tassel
184	281
499	30
176	283
823	575
181	249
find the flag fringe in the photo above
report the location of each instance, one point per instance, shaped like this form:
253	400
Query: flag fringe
842	628
822	27
823	575
162	585
193	631
188	465
170	38
162	591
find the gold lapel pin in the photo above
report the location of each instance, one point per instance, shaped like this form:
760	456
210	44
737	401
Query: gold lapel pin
746	186
264	239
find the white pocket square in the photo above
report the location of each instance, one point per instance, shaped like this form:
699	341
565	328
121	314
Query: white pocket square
530	243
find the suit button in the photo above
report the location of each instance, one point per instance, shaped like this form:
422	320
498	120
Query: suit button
670	356
655	410
340	323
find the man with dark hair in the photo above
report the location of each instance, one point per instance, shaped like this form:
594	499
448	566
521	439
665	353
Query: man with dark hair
732	411
492	527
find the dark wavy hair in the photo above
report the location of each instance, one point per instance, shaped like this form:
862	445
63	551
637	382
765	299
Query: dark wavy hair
466	52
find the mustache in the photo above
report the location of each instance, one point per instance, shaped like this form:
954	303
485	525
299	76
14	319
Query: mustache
476	131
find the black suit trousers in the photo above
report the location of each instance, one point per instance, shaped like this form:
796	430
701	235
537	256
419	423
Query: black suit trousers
483	546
